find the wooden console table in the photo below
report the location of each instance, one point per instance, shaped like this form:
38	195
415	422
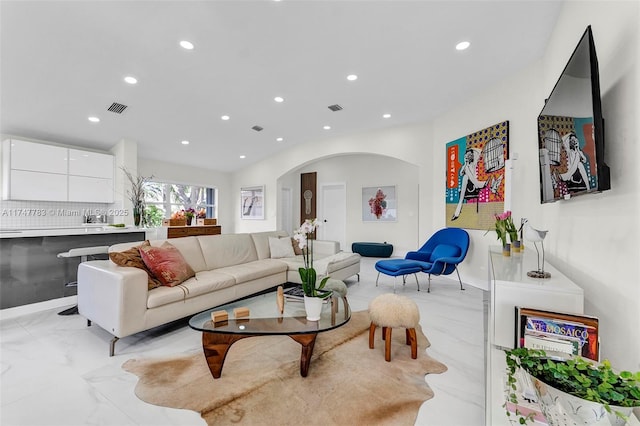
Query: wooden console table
190	231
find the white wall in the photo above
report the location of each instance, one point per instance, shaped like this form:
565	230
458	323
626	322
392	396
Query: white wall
593	239
365	170
411	144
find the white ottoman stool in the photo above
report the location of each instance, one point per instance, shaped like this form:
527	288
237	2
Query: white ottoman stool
389	311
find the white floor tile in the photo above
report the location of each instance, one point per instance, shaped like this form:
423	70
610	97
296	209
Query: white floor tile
64	365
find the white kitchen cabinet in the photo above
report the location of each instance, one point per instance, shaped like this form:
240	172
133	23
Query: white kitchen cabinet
42	172
90	189
90	176
37	157
27	185
33	171
91	164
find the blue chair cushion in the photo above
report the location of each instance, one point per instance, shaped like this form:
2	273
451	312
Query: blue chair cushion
395	267
444	250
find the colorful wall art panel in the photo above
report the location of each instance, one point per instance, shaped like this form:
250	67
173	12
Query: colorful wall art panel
379	204
475	184
567	156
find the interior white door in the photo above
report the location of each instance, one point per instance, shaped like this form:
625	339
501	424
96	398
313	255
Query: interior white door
333	205
286	211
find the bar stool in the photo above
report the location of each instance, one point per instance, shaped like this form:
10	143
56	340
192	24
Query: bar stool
83	253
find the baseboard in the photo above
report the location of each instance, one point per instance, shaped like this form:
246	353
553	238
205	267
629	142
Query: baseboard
37	307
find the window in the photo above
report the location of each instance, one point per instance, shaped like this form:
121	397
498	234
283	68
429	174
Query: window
163	199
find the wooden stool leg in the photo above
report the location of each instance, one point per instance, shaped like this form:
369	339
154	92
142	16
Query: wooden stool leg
384	333
411	335
387	344
408	339
372	332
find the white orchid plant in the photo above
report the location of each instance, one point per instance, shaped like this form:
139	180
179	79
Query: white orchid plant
308	275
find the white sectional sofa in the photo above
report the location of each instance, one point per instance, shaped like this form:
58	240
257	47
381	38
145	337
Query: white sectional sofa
227	267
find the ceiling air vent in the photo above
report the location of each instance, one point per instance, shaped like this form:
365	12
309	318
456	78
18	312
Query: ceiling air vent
335	107
117	108
257	128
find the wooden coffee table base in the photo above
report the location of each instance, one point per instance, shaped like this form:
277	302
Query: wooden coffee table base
216	346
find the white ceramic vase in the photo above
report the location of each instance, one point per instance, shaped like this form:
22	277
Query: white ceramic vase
313	307
561	408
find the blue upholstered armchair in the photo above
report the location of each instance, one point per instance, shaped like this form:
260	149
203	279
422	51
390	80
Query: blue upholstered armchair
441	254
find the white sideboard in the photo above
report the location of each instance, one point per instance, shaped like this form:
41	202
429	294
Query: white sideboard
509	286
42	172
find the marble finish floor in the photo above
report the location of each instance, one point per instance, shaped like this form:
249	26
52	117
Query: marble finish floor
56	371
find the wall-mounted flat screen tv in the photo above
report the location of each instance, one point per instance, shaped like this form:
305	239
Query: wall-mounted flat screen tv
571	130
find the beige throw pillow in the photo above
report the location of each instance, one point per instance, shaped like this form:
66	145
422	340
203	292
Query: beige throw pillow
280	247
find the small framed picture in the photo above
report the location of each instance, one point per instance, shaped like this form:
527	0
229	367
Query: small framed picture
252	202
379	204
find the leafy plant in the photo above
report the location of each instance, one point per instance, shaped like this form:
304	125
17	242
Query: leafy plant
153	215
576	376
308	275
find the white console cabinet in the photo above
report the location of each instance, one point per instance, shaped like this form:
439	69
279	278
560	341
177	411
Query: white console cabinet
43	172
509	286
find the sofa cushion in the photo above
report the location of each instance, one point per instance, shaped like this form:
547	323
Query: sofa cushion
167	264
280	247
342	260
211	280
132	258
254	270
190	249
164	295
227	250
261	242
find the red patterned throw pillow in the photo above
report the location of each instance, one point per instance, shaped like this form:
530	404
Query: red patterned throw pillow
133	259
167	264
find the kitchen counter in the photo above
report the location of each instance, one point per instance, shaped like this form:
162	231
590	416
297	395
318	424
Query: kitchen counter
88	229
32	272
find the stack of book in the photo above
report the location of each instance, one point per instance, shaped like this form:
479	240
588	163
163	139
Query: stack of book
295	294
559	332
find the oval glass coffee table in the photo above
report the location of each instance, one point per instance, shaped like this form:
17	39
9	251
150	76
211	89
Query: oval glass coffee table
265	320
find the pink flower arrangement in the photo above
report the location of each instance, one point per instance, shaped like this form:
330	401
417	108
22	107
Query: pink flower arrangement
504	226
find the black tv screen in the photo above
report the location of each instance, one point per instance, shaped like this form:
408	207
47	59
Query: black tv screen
571	130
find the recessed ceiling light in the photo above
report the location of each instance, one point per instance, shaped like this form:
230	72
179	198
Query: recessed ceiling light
94	119
243	156
327	127
186	45
279	139
225	117
185	142
386	116
278	99
352	77
130	80
462	45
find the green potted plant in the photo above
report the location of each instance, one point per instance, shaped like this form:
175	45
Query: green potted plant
574	389
314	294
137	194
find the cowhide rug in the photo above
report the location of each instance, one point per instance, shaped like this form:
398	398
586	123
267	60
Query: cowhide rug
348	383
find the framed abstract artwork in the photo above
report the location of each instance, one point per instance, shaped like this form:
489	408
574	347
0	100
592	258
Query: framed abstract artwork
475	168
252	202
379	204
